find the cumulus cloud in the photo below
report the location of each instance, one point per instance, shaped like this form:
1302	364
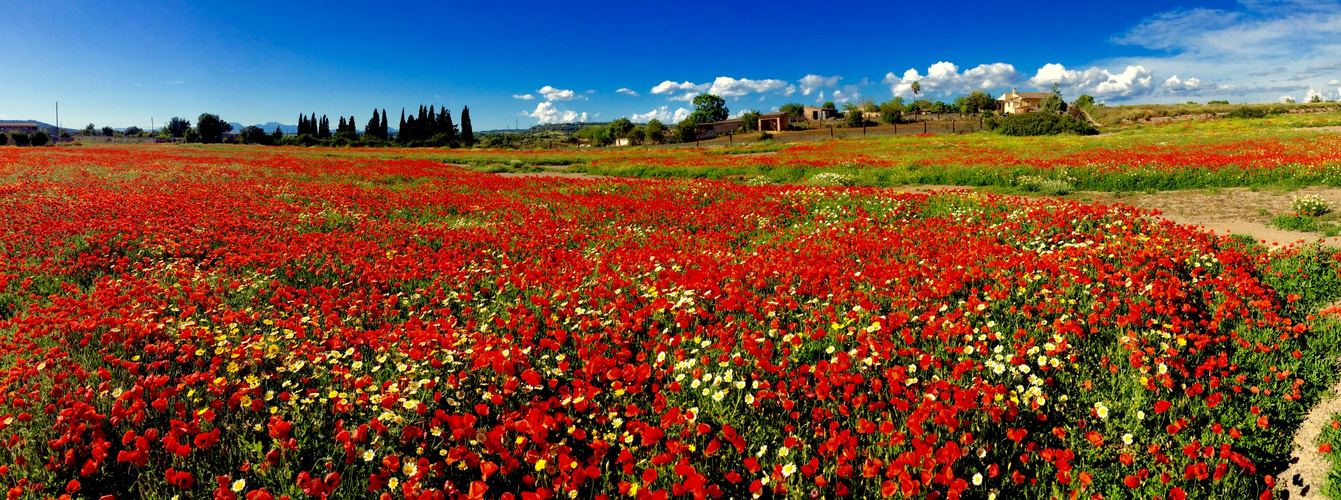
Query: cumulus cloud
686	97
627	91
1176	85
944	78
1246	50
1308	96
524	97
1287	98
811	83
726	86
547	112
1132	81
662	114
553	94
669	87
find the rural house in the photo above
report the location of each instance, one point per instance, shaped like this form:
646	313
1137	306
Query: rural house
815	114
19	127
714	129
1021	102
774	122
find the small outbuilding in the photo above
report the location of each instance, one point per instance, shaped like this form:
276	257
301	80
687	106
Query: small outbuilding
815	114
714	129
775	122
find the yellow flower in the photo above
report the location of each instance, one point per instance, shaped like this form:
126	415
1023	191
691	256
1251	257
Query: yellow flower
540	465
239	485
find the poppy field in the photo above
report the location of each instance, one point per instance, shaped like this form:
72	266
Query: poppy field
1181	155
268	323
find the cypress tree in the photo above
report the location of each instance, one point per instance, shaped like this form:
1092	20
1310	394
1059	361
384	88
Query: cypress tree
467	134
420	125
352	130
324	132
302	124
400	134
382	129
312	125
432	122
341	127
370	129
447	128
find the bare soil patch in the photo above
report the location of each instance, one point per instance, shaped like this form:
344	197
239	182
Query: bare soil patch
1308	469
1229	210
1222	211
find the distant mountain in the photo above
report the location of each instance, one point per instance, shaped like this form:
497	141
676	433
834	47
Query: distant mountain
288	129
39	123
267	127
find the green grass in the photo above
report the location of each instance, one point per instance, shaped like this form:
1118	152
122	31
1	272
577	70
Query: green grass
1326	226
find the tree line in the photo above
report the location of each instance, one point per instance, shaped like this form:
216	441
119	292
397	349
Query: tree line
431	127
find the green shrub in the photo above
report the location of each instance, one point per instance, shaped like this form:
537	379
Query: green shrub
1029	124
40	138
764	136
1253	112
4	139
20	138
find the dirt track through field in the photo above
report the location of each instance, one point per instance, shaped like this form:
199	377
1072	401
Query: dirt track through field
1223	211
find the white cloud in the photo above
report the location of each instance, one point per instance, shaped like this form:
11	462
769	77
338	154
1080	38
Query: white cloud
1258	50
1131	82
1176	85
591	91
662	114
811	83
669	87
726	86
1334	82
525	97
787	92
944	78
1287	98
1309	95
687	96
627	92
553	94
546	112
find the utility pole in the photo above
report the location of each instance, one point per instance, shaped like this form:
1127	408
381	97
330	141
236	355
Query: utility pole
58	121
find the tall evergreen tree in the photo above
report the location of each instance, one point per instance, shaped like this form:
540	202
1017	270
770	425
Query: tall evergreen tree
352	129
420	124
410	133
313	126
302	124
432	122
324	130
382	128
448	129
341	127
370	129
467	134
400	131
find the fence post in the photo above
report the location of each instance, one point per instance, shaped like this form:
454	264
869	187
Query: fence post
952	126
863	127
924	126
830	131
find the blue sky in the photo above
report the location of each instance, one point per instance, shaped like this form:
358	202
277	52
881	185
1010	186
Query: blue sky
123	63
